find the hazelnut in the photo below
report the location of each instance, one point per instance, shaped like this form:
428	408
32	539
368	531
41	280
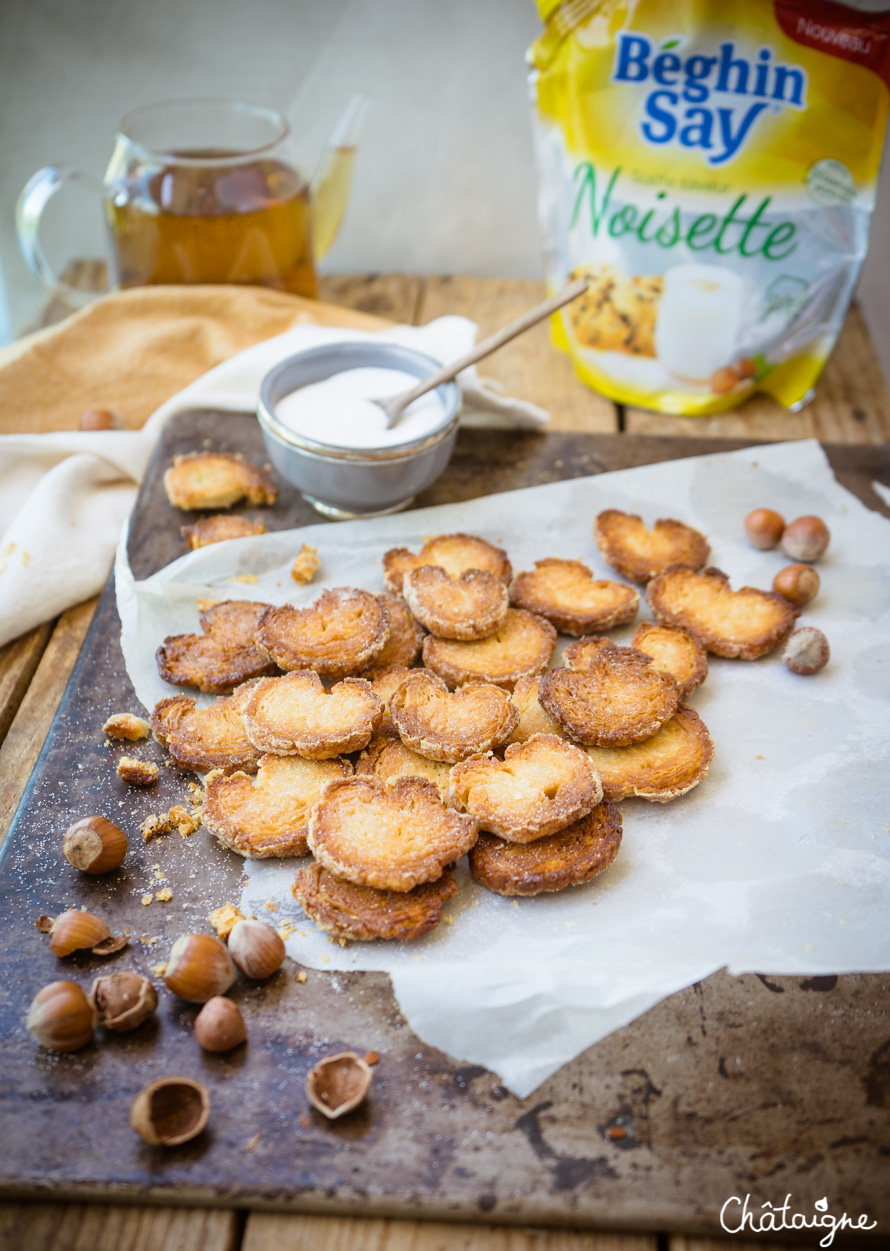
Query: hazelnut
746	367
797	583
256	948
338	1084
123	1000
764	528
219	1026
806	538
198	968
94	845
806	651
170	1111
61	1018
77	930
724	380
99	419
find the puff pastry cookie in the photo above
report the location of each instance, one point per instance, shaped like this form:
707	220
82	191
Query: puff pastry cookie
533	719
746	624
639	554
540	786
295	715
206	738
450	725
569	858
619	699
388	758
219	528
268	815
522	646
569	596
391	837
670	763
469	607
363	914
216	480
674	651
405	639
221	658
343	632
455	553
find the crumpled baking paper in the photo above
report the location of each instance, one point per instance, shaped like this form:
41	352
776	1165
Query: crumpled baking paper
778	862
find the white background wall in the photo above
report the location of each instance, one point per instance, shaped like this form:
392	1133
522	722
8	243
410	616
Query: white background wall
445	180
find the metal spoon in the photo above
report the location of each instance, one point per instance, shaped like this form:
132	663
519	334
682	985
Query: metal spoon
395	405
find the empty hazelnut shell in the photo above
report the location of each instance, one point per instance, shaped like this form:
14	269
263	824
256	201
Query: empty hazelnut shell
76	930
94	845
806	538
198	968
123	1000
256	948
338	1084
61	1018
797	583
219	1025
170	1111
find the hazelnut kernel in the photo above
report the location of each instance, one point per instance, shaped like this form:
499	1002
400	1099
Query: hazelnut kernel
797	583
806	651
764	528
723	380
806	538
746	367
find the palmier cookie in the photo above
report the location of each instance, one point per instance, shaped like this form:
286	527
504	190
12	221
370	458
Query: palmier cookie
218	529
676	651
206	738
665	766
744	624
522	646
295	715
268	816
391	837
617	700
343	632
450	725
403	644
216	480
221	658
455	553
469	607
639	554
540	786
569	596
533	718
573	856
362	914
387	758
384	685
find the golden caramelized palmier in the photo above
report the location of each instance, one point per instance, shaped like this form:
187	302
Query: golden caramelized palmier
295	716
343	632
221	658
639	554
469	607
620	698
746	624
450	725
216	480
674	651
388	758
522	646
569	596
219	528
389	836
540	786
533	719
362	914
268	816
569	858
206	738
580	655
455	553
663	767
384	685
404	642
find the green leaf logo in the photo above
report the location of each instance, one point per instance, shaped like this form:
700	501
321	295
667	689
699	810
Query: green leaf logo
670	43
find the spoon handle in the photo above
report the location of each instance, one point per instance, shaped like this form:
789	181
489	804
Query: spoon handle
493	342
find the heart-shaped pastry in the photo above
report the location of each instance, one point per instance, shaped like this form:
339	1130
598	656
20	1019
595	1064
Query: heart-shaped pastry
403	643
569	596
295	715
343	632
455	553
521	646
745	624
206	738
639	554
471	606
450	725
362	914
620	698
216	480
663	767
221	658
674	650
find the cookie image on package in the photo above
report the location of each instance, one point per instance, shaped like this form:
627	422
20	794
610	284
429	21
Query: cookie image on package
617	312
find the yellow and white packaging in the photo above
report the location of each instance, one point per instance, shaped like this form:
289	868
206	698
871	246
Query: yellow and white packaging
710	166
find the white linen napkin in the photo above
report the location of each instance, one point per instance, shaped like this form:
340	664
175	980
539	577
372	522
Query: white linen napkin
64	496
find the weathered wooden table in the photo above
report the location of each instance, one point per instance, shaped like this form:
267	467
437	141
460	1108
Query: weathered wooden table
852	407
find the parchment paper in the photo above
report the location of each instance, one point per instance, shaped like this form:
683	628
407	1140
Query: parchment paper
777	863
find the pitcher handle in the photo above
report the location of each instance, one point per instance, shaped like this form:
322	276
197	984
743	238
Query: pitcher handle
35	196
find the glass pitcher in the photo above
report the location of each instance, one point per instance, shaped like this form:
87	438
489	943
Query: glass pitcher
202	191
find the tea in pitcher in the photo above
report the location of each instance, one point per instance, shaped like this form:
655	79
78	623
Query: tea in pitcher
203	217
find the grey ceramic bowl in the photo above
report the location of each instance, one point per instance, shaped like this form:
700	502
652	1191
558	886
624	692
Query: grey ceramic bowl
348	482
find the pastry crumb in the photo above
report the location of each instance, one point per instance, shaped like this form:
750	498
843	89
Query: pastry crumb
305	566
301	976
159	969
225	919
285	931
127	726
164	896
137	772
146	900
244	577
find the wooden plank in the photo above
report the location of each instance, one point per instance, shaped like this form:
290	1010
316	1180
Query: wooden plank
18	660
529	368
393	296
97	1227
265	1232
851	404
37	709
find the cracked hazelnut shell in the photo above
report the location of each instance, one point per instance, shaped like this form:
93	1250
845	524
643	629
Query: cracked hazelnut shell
123	1000
170	1111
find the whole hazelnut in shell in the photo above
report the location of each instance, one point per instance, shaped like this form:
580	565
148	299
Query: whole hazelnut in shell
256	948
806	538
61	1018
123	1000
99	419
219	1026
799	584
94	845
764	528
170	1111
198	968
806	651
